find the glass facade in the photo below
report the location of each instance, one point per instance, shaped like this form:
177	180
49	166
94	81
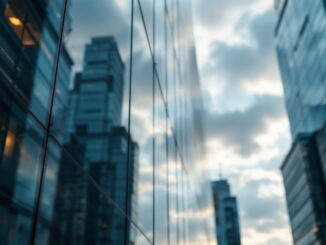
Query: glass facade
226	214
101	138
305	190
301	48
321	143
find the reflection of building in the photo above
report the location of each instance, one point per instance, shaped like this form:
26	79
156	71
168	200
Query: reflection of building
96	100
226	214
93	120
300	43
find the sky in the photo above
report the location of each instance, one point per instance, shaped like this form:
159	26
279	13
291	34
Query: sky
246	123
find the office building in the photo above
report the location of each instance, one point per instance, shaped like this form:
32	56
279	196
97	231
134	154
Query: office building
300	37
28	42
321	144
77	80
226	214
305	188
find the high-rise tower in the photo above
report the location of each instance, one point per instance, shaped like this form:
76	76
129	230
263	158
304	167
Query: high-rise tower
226	214
300	43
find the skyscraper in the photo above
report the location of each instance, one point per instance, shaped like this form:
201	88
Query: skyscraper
28	44
94	123
305	190
226	214
300	44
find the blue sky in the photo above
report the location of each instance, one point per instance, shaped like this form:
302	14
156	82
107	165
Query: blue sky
247	126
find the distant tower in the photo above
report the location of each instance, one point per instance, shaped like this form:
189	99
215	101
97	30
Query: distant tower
220	170
226	214
93	125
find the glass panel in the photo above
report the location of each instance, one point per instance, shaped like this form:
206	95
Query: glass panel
29	39
161	217
93	68
146	8
160	47
173	170
74	208
89	112
142	123
141	238
21	144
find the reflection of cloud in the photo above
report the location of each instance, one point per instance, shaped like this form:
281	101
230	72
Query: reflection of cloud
93	19
99	18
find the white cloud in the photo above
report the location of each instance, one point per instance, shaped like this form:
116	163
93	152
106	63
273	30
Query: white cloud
247	125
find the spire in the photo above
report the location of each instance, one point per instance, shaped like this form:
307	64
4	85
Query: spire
220	170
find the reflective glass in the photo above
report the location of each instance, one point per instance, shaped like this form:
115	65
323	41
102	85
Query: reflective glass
141	128
22	142
89	110
161	212
113	164
29	39
74	209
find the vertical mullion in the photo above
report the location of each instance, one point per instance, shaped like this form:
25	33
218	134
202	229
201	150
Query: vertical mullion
177	193
153	125
48	128
127	207
166	127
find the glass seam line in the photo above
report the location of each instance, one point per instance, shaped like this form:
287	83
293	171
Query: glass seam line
153	125
166	128
150	48
127	228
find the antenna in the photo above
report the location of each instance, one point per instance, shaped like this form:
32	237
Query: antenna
220	170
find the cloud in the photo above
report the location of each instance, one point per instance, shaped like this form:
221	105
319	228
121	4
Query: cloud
259	208
249	61
216	13
246	125
239	128
265	214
